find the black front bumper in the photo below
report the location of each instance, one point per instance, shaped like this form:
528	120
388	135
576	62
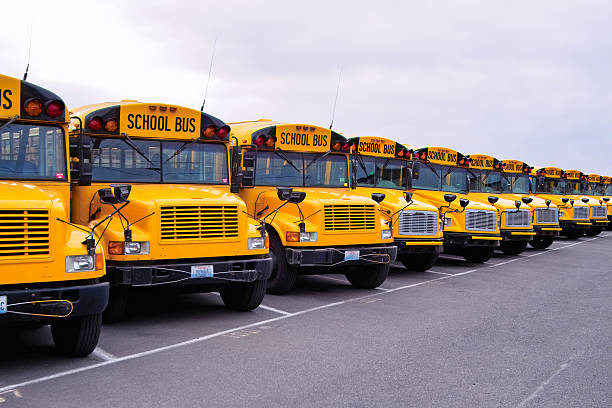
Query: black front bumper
460	240
516	235
419	246
306	256
599	222
46	303
575	225
546	230
144	273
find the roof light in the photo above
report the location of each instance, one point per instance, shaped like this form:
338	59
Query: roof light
462	162
54	109
209	131
423	156
270	141
222	133
259	141
401	153
337	146
33	107
346	147
95	124
111	125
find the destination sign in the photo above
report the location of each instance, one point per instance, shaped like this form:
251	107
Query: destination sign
163	121
573	174
594	178
442	155
10	97
513	166
481	161
376	146
303	138
606	180
552	172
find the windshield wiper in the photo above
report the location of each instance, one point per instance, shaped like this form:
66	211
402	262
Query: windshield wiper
432	168
317	158
128	141
283	156
180	149
14	118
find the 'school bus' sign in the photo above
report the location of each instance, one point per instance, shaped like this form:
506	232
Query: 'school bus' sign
442	155
154	121
481	161
303	138
376	146
513	166
10	96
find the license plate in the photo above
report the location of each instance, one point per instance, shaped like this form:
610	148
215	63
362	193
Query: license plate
3	304
202	271
351	256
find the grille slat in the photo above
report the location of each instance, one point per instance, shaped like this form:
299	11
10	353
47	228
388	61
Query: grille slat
480	220
199	222
24	233
599	211
418	222
349	217
580	213
546	215
518	218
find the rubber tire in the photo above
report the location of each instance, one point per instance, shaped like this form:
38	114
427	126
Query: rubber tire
513	247
541	243
117	304
368	276
243	296
418	262
593	231
283	275
477	254
77	336
573	234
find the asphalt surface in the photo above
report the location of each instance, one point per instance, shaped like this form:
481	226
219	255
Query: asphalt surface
527	331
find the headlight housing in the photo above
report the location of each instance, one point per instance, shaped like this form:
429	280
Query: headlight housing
447	222
80	263
301	236
386	234
256	243
561	213
128	248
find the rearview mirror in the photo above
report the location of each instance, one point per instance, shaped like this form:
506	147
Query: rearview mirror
527	200
121	192
493	199
449	198
283	193
517	204
584	200
606	199
565	200
548	203
378	197
407	196
296	197
463	202
572	202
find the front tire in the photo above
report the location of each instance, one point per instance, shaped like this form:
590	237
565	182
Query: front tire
117	304
418	262
283	275
243	296
77	336
368	277
573	233
513	247
478	254
541	243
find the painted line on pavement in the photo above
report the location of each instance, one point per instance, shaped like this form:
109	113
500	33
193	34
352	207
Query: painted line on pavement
275	310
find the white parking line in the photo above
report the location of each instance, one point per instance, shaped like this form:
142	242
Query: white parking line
439	273
103	354
272	309
346	282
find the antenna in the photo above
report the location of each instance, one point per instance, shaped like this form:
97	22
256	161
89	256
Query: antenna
336	99
25	74
212	58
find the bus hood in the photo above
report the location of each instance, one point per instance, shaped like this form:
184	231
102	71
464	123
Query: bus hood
503	203
173	194
437	198
23	195
537	202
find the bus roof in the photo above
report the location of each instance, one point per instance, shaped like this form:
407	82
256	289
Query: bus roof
441	155
572	174
148	120
516	166
606	180
594	178
297	137
29	102
551	172
484	162
378	146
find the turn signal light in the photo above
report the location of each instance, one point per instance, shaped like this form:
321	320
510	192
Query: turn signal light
111	125
95	124
209	131
422	156
115	247
99	262
400	153
337	146
33	107
270	141
293	236
54	109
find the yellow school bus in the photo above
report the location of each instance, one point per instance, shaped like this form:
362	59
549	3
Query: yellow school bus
591	189
381	166
488	183
184	228
606	189
545	214
441	179
322	226
551	184
50	270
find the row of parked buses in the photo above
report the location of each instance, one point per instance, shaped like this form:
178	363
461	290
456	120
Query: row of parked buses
114	196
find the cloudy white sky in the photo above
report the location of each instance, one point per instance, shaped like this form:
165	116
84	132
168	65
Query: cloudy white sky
529	80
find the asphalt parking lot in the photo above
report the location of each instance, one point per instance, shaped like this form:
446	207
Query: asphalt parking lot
527	331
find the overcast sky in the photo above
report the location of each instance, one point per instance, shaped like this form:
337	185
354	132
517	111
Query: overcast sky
528	80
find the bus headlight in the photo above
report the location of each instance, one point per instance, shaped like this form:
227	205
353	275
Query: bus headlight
386	234
561	213
80	263
257	243
301	236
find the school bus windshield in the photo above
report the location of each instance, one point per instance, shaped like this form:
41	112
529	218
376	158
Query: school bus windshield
591	188
30	152
572	187
494	182
550	186
381	172
441	178
520	184
608	189
155	161
454	179
291	169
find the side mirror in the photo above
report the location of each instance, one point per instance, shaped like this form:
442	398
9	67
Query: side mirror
416	166
548	203
565	200
236	170
463	202
283	193
248	161
106	196
606	199
449	198
572	202
517	204
584	200
493	199
407	196
121	192
527	200
84	171
296	197
378	197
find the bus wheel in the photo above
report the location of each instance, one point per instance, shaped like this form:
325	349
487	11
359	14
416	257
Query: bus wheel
478	254
283	275
541	243
593	231
512	247
573	233
77	336
243	296
117	304
368	276
418	262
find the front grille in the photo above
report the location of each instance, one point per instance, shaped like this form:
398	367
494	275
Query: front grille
546	215
418	222
183	222
518	218
581	213
349	217
599	211
480	220
24	233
